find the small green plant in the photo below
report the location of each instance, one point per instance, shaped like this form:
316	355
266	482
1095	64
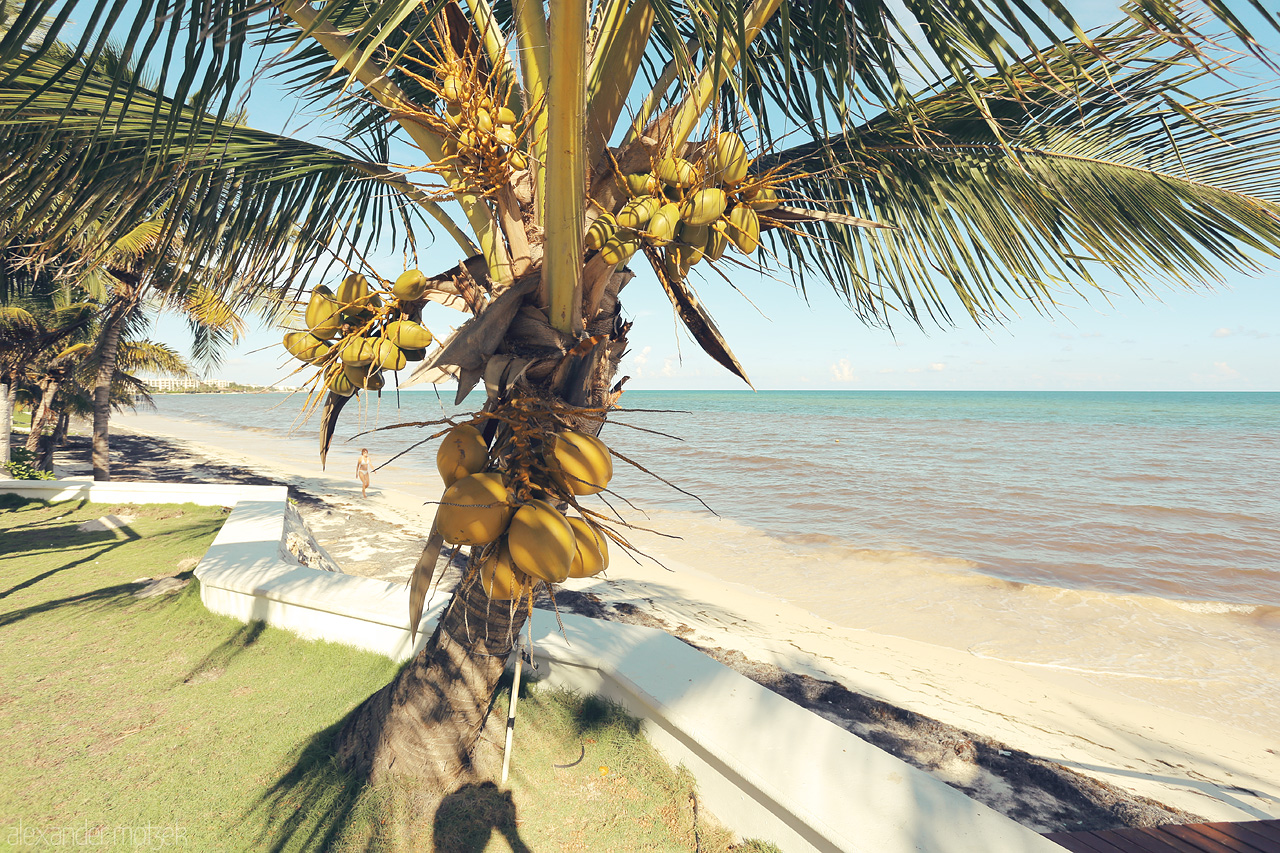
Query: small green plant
22	466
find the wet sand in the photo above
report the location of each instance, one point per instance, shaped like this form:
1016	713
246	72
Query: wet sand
1049	748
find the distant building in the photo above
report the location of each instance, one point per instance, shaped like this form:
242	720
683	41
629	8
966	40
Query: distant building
169	383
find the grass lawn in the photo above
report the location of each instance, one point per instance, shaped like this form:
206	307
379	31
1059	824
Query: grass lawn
155	723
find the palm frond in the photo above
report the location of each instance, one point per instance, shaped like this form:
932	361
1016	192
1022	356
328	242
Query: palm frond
243	195
1133	176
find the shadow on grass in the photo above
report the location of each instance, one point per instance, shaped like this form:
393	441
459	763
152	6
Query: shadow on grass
310	806
97	599
222	655
468	817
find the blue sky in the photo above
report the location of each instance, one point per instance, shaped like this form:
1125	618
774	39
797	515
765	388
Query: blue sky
1227	338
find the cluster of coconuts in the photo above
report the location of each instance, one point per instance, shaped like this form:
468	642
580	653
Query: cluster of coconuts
530	541
352	335
481	132
691	210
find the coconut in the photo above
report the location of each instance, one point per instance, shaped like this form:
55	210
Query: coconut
728	162
410	285
636	213
407	334
704	207
305	346
663	225
462	452
353	288
582	462
499	577
357	351
389	356
600	230
591	556
541	541
475	510
677	172
324	313
744	228
619	248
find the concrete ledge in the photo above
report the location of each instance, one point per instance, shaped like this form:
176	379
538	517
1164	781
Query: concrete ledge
248	572
765	766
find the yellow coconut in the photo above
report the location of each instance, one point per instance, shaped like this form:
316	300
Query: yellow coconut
353	288
744	229
323	313
763	198
677	172
389	356
600	230
357	351
462	452
728	161
305	346
507	137
636	213
338	382
642	184
407	334
541	541
410	285
591	556
505	116
619	248
475	510
704	207
717	242
581	461
663	225
499	577
363	377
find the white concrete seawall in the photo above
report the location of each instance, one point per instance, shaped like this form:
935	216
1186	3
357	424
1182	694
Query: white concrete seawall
765	766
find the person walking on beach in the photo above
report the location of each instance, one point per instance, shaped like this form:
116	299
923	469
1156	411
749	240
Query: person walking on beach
364	469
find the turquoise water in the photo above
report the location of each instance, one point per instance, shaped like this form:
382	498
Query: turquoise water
1166	494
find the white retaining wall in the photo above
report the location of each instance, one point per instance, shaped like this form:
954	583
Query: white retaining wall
765	766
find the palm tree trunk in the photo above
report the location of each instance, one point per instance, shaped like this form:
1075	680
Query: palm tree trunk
102	388
427	721
63	427
48	390
8	390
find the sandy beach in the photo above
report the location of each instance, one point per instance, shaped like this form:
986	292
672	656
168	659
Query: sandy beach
1053	748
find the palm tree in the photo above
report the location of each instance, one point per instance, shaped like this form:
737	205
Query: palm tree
929	158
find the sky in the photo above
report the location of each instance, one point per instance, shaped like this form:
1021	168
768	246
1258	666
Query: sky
1224	338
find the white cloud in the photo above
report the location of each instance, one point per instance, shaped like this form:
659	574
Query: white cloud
1225	370
1224	332
885	370
937	366
842	371
642	357
668	367
915	370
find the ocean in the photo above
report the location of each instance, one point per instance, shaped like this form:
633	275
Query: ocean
1135	536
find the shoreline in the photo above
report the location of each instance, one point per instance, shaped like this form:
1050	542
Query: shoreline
1049	748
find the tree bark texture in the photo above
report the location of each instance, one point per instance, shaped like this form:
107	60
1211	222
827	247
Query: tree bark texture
102	389
44	412
427	722
8	391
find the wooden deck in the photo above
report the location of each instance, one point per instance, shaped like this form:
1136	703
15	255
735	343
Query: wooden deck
1259	836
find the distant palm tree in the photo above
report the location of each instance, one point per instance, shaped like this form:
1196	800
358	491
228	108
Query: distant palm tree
902	153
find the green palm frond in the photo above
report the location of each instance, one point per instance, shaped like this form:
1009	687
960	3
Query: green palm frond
243	195
1135	177
148	356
